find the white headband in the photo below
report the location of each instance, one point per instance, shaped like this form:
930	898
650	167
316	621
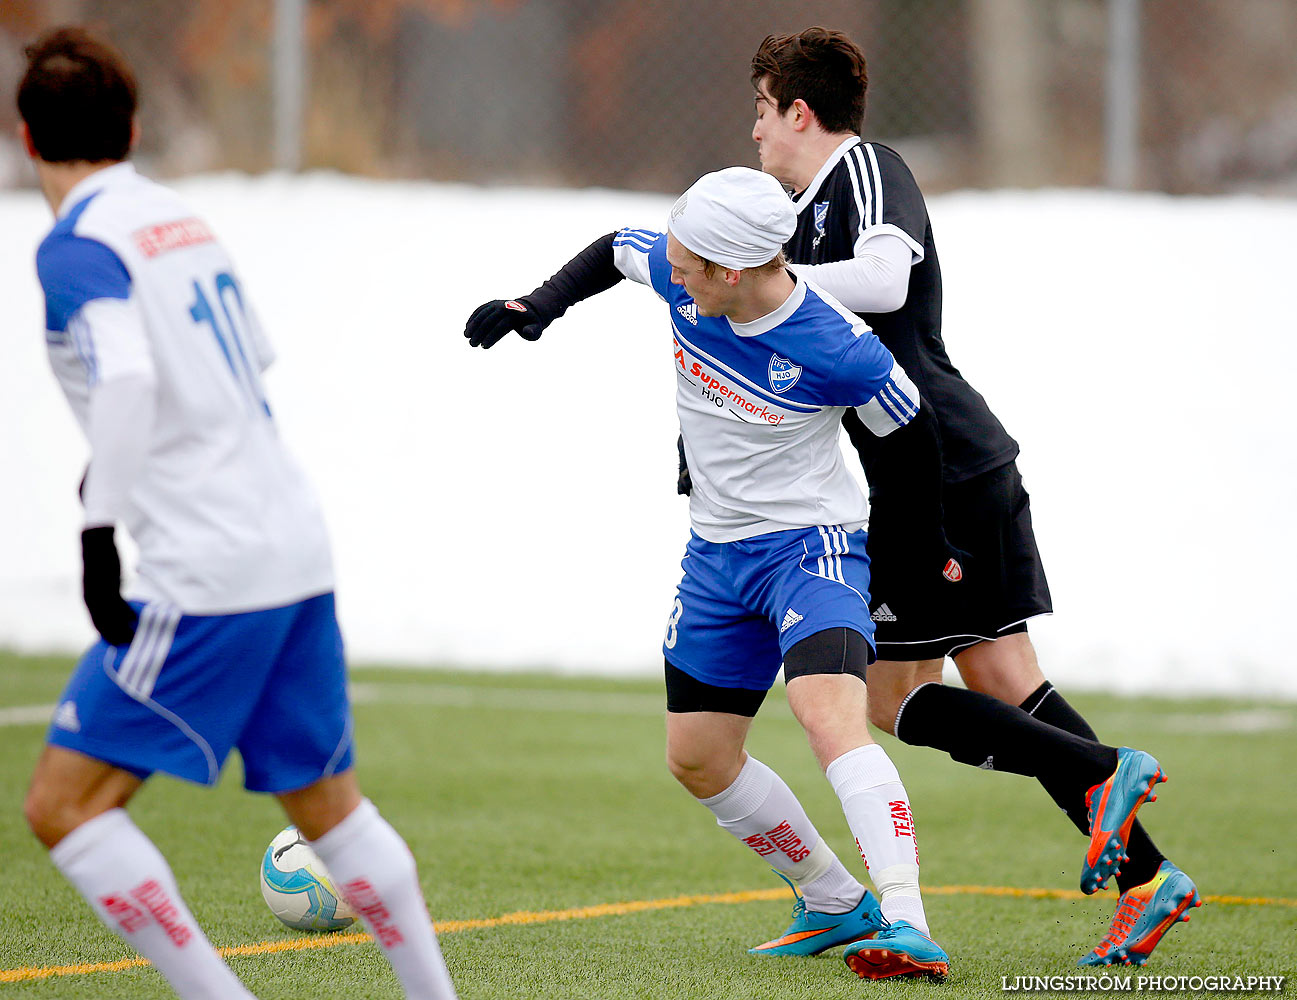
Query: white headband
737	217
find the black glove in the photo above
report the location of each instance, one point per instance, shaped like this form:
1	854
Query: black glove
492	320
101	587
684	485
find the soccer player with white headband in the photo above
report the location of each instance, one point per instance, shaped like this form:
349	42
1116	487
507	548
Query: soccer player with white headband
775	567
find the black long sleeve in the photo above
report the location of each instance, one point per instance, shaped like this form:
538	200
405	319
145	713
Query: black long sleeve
588	273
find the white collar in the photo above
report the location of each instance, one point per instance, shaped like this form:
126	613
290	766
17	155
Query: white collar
812	189
770	320
94	183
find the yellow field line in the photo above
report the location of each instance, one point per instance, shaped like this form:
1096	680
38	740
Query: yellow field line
25	973
1005	890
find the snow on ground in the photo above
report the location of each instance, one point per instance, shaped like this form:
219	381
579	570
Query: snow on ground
516	508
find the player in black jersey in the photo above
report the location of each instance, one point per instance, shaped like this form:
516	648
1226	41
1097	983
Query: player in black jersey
863	235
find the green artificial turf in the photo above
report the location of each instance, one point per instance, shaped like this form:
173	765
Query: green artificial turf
539	793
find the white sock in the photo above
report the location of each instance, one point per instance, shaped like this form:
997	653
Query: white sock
762	811
127	881
374	869
878	812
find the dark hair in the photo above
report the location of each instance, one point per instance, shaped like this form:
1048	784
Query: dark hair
77	98
825	68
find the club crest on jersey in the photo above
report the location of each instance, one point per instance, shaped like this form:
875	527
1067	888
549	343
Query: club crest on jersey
821	216
783	373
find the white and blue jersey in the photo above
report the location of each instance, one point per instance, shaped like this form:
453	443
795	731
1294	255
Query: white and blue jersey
761	403
157	348
137	287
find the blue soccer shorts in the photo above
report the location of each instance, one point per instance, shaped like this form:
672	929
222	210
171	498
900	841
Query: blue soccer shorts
190	688
742	605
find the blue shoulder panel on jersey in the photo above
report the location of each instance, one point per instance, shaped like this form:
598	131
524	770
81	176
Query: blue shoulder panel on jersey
861	370
74	270
659	269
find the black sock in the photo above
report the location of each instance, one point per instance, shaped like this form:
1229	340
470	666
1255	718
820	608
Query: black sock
1047	705
977	729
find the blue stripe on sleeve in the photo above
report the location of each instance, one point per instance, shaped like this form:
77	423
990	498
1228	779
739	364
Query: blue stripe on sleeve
74	270
84	345
905	405
640	239
632	244
889	408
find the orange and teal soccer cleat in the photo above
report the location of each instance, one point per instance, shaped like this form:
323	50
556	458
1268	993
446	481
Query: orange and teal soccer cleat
812	932
1113	805
1143	915
899	949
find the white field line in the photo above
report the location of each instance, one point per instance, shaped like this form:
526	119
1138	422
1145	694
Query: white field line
26	715
1256	720
517	699
450	696
439	695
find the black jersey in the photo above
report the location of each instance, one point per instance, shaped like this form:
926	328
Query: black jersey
864	190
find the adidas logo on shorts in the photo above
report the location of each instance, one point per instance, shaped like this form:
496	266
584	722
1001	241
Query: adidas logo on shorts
883	614
791	618
65	717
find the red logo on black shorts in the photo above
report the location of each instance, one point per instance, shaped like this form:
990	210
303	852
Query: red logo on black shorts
953	571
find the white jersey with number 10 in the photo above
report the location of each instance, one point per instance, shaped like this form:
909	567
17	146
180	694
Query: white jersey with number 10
136	285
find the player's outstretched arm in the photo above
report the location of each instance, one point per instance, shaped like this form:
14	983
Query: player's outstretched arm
590	272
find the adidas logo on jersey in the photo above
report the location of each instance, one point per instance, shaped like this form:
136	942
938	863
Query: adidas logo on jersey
65	717
883	614
791	618
689	312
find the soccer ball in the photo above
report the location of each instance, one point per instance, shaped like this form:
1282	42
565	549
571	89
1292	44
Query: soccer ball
298	889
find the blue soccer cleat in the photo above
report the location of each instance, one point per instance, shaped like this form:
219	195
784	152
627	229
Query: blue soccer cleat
1112	806
899	949
812	932
1143	915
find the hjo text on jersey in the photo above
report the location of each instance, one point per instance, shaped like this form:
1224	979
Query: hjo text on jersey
718	393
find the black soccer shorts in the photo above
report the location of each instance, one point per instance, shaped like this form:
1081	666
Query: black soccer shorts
989	517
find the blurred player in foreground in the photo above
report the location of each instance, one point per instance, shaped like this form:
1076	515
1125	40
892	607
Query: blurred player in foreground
775	568
156	347
863	235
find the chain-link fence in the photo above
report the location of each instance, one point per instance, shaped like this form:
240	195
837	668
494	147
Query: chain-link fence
650	93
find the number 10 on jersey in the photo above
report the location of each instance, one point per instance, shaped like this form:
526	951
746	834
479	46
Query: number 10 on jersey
231	334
